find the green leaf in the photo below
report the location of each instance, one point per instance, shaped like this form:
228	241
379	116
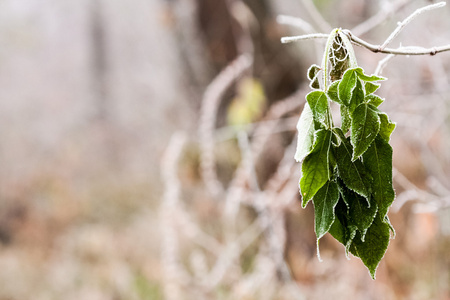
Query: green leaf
353	173
361	211
374	100
341	230
333	92
346	120
371	87
357	96
365	127
315	85
386	127
367	78
340	56
378	162
324	202
348	179
318	102
346	86
305	128
316	166
313	73
374	246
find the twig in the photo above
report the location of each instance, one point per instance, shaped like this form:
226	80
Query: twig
412	192
261	135
382	48
191	230
295	22
232	251
229	132
248	160
373	48
210	105
262	132
244	16
378	18
277	199
382	63
290	39
169	248
405	22
316	16
397	51
244	173
301	24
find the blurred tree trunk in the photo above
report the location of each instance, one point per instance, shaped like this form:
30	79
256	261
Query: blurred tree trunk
99	61
102	121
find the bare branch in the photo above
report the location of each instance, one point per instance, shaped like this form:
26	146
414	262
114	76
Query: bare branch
316	16
210	105
382	48
428	202
378	18
413	50
290	39
405	22
295	22
301	24
174	274
382	63
229	132
397	51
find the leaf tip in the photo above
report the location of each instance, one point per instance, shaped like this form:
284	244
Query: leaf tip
372	274
304	200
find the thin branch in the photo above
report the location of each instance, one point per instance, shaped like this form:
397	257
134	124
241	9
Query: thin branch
282	107
290	39
244	16
382	48
382	63
374	48
397	51
232	251
173	272
248	160
295	22
229	132
316	16
412	192
301	24
379	18
210	105
190	228
405	22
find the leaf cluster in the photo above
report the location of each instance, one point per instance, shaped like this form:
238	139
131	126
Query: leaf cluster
347	169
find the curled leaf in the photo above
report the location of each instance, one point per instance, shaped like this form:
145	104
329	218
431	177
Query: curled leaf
368	78
305	137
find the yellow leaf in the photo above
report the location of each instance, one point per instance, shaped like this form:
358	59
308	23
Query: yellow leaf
249	103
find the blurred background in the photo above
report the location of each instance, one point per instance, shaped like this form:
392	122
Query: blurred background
146	150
